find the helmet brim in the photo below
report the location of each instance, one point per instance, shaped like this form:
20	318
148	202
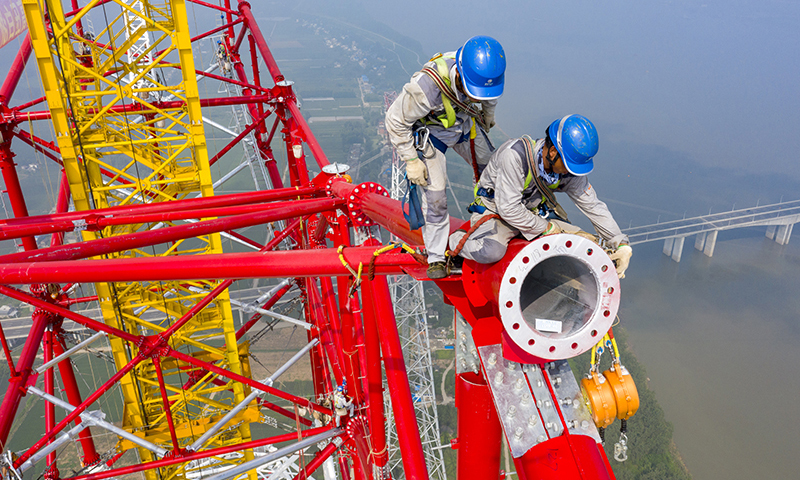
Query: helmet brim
483	93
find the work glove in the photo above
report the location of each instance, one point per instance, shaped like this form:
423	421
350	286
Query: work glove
488	120
417	172
621	258
552	229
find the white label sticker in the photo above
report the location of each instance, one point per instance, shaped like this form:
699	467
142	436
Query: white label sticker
551	326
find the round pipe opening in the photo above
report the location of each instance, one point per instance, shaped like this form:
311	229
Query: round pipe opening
558	297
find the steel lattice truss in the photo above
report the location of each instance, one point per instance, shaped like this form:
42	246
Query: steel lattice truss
137	221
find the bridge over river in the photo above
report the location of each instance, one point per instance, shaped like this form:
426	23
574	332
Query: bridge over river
779	219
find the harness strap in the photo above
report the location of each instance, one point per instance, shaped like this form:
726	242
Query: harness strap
448	94
471	230
547	194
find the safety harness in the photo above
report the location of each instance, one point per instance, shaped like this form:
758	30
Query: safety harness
441	77
548	195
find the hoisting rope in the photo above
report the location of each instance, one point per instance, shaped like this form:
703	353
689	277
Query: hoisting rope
356	274
391	246
470	231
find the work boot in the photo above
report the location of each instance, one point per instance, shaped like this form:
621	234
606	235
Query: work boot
437	270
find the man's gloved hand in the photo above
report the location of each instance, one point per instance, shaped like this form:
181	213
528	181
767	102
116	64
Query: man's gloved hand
488	120
552	229
417	172
622	258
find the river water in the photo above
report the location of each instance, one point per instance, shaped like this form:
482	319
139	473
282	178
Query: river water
719	339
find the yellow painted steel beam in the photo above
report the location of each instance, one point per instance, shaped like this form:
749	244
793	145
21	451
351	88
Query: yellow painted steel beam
160	157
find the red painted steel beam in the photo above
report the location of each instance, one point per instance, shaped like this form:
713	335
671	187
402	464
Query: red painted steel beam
73	392
49	388
248	381
279	264
63	312
93	222
277	77
175	205
19	378
166	462
13	186
318	460
15	72
374	378
79	409
136	240
137	108
7	351
479	431
397	378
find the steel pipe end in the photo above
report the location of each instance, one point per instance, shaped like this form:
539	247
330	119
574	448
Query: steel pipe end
558	297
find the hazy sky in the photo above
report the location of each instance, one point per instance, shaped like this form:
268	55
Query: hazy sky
716	81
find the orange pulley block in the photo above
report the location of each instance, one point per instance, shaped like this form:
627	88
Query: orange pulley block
599	397
626	397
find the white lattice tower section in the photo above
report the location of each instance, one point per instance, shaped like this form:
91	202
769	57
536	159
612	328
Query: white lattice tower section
408	297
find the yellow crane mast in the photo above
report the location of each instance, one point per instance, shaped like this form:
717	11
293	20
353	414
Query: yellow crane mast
126	111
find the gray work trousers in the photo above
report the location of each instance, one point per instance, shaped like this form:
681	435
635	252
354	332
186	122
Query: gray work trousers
489	242
434	197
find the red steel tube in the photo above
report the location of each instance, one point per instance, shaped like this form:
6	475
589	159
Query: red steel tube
62	206
374	376
49	388
7	351
97	223
255	30
141	109
166	462
278	264
15	72
165	401
284	412
248	381
397	379
79	409
173	206
58	310
70	383
131	241
479	431
18	380
14	189
318	460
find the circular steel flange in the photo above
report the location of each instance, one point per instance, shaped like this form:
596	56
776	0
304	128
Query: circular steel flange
567	278
357	215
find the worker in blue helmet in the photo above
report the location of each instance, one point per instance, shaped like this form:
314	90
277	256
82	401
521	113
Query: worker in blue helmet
449	103
516	194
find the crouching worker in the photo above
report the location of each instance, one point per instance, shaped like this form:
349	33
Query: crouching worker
516	194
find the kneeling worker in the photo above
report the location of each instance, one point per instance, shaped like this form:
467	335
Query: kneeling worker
515	194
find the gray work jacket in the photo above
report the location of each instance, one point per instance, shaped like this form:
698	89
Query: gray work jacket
421	98
514	201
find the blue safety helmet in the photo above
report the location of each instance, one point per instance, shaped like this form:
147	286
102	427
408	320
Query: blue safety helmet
575	138
481	64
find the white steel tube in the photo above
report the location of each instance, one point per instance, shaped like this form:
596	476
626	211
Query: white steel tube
253	394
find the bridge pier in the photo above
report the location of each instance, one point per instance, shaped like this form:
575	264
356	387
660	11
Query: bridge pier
783	234
699	241
780	233
711	242
673	247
